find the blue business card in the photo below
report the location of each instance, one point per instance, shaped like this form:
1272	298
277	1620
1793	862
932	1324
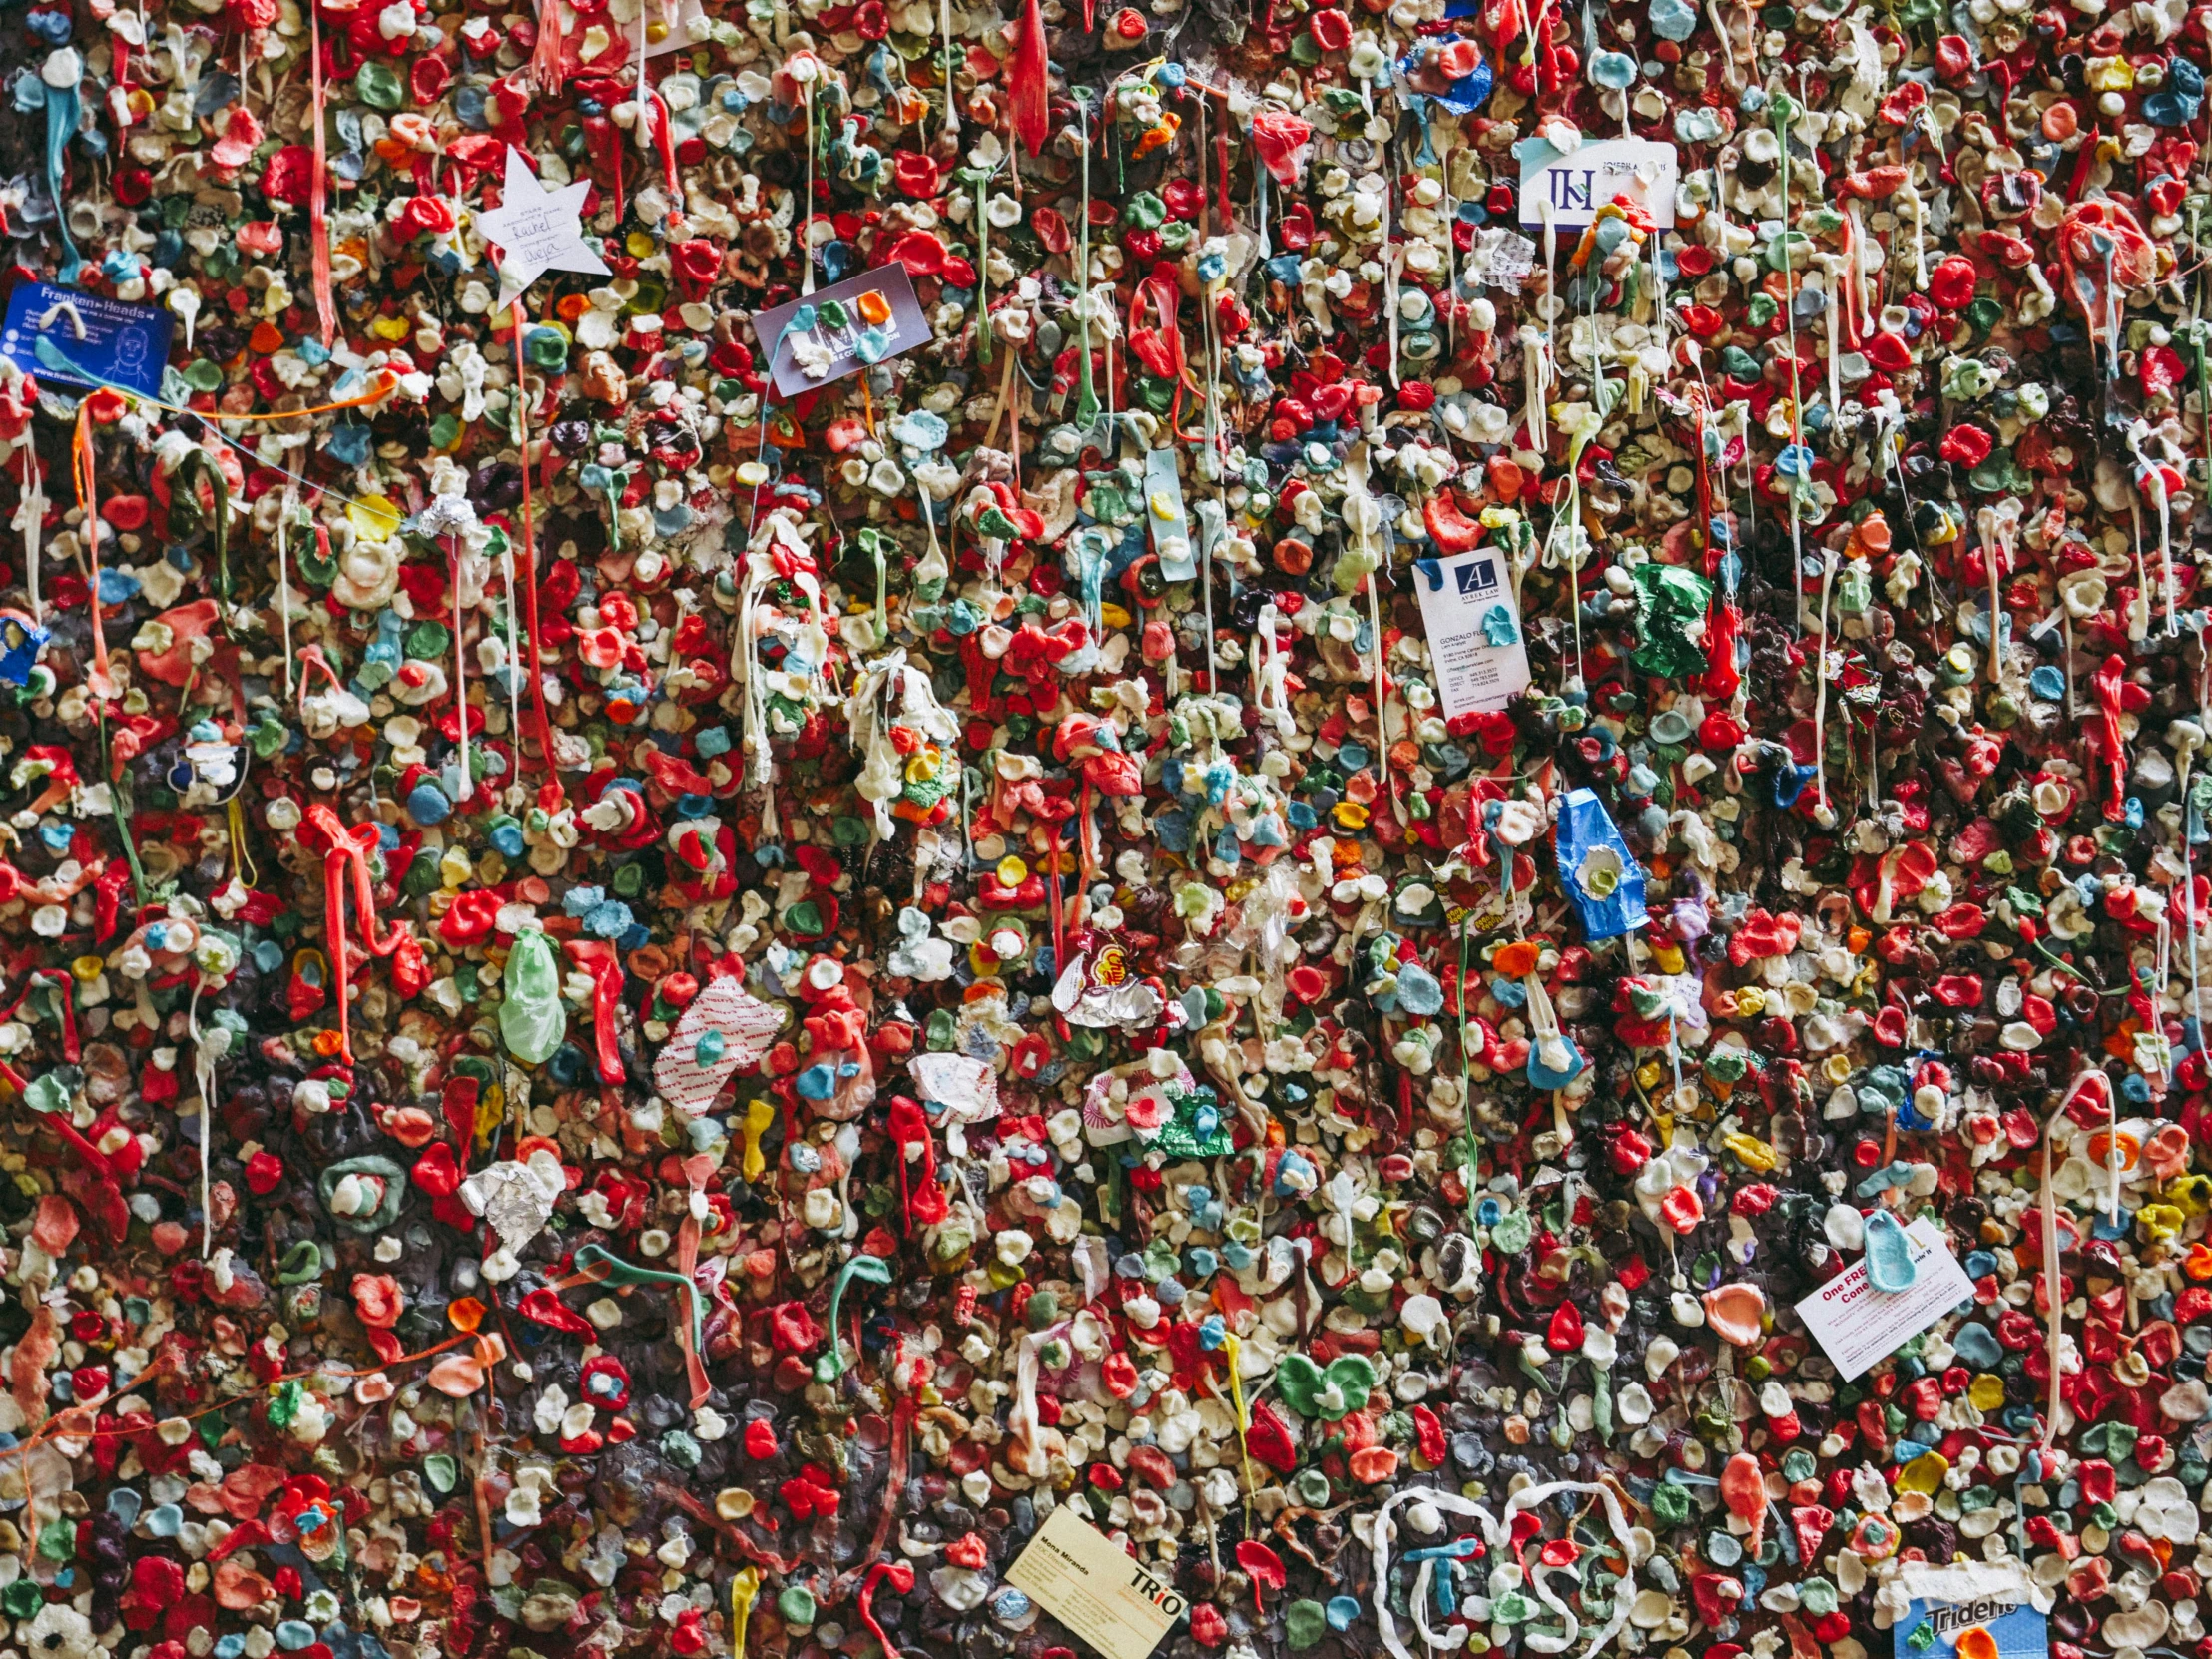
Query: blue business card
86	340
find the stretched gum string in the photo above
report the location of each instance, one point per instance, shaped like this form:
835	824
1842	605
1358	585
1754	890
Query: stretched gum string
530	548
85	471
1497	1535
2053	1290
325	305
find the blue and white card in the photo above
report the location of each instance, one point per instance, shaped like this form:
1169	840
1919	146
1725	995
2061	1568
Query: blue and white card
1472	616
86	340
1970	1630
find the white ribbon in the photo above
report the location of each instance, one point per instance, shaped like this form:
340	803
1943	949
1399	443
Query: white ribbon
202	1072
1498	1536
284	577
1271	676
34	522
2053	1292
1819	682
514	648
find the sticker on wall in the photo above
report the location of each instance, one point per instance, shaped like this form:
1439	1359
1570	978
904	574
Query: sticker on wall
85	338
1095	1588
1475	635
1576	184
841	329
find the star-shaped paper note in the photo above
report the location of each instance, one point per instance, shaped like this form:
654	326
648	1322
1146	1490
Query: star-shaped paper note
536	230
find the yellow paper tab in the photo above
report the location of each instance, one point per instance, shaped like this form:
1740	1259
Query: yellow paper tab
1099	1591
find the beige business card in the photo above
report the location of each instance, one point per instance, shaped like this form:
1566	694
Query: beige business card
1098	1590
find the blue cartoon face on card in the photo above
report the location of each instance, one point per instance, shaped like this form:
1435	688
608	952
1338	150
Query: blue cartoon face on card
86	340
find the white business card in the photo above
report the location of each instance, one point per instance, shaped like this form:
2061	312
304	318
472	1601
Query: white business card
1585	179
1474	634
1856	1324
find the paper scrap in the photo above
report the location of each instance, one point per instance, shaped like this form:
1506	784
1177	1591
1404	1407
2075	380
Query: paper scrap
1504	258
841	329
1579	183
1856	1324
966	1088
1474	634
537	230
747	1029
1171	530
1954	1583
1098	1590
691	25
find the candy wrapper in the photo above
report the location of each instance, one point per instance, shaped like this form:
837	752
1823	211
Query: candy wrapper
1598	871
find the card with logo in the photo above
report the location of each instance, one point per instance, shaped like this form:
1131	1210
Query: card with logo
1098	1590
1576	184
1970	1610
1474	634
87	340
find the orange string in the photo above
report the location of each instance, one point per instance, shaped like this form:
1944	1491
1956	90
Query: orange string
350	851
84	471
386	384
52	1425
482	1495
